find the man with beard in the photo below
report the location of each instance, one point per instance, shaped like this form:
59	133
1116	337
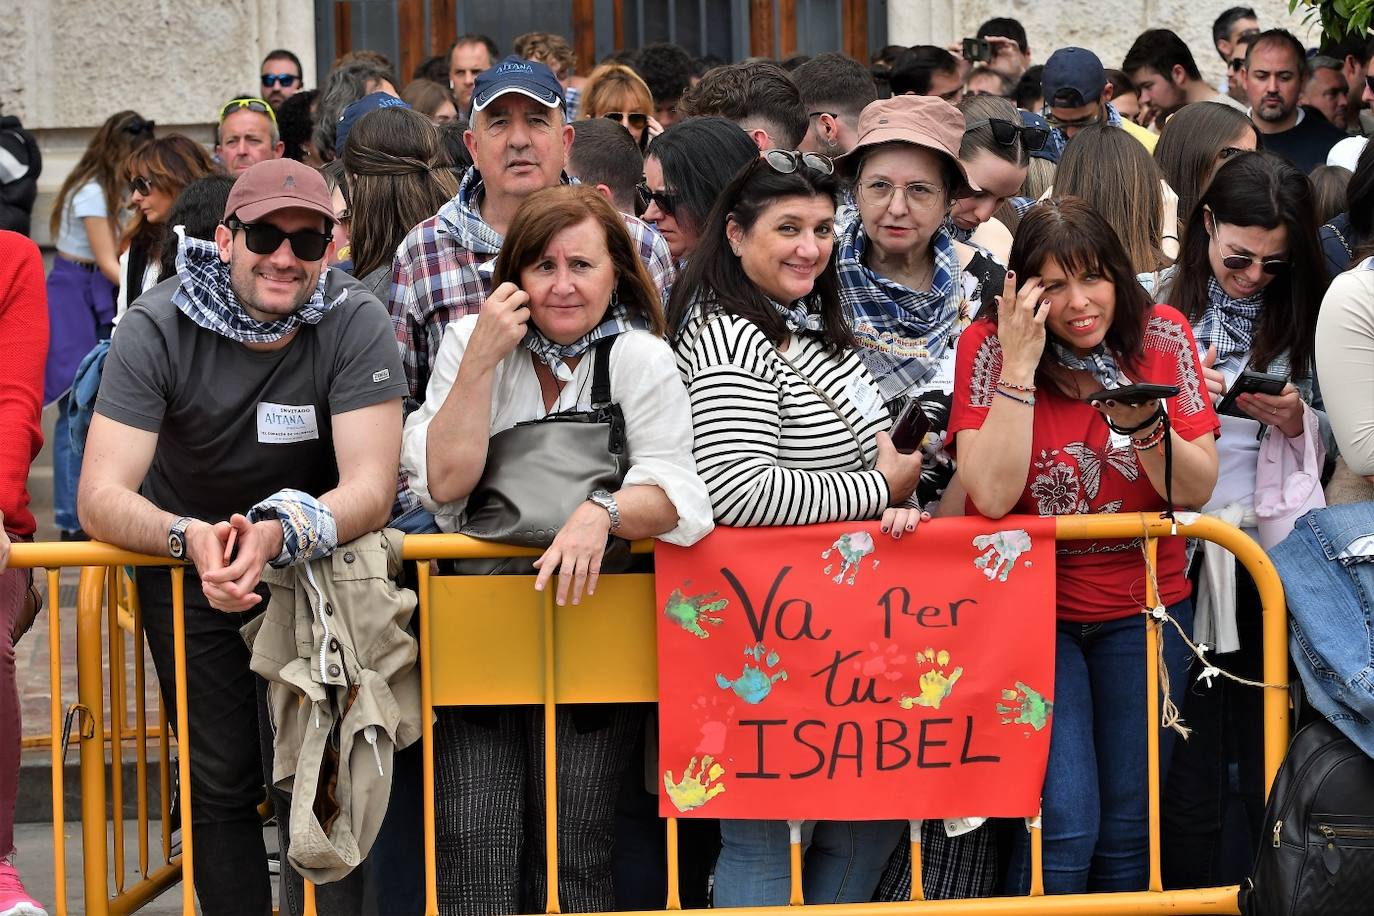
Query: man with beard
1275	68
249	413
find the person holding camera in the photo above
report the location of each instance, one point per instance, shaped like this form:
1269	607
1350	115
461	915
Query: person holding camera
1047	422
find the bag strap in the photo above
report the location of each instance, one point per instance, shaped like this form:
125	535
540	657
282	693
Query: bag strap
829	402
601	371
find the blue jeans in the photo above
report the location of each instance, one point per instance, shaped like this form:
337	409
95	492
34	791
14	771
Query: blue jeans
841	861
1094	804
66	472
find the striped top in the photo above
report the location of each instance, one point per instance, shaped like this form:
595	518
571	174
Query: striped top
770	451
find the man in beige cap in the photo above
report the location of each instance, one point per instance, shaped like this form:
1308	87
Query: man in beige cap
249	413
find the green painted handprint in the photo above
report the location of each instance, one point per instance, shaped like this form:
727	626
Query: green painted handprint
754	683
694	790
1025	706
691	611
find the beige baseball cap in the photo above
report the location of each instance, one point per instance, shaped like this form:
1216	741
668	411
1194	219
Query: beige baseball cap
921	120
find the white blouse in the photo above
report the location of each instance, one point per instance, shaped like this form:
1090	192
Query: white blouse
644	382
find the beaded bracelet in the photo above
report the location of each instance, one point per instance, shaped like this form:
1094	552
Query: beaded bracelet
1150	441
1028	401
1027	389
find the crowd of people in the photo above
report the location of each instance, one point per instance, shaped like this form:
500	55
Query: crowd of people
356	311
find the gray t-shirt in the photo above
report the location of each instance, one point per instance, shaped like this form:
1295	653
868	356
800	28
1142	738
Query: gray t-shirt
236	425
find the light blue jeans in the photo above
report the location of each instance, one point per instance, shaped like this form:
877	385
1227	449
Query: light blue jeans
841	861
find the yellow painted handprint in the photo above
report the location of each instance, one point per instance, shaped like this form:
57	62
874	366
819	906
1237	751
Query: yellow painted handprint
694	790
935	684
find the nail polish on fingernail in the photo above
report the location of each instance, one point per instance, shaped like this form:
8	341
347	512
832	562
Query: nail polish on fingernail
885	529
1044	302
911	526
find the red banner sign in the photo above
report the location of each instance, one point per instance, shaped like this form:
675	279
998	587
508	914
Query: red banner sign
832	672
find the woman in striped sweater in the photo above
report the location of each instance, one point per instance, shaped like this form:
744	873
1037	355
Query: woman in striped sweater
789	429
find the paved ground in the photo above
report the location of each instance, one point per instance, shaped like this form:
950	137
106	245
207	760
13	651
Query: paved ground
35	863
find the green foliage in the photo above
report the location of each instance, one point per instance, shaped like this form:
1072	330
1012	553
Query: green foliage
1338	18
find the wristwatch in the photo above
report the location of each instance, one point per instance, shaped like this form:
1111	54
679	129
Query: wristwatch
176	537
605	500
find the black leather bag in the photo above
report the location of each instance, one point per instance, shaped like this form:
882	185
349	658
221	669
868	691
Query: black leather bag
538	472
1316	854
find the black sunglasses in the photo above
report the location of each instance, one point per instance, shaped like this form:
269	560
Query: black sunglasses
787	161
644	196
1271	266
634	118
1369	81
1004	132
265	238
140	185
284	80
138	126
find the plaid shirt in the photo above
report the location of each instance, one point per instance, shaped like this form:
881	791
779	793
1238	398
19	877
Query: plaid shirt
443	271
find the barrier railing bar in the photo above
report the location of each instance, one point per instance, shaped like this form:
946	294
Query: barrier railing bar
918	890
140	720
89	692
164	749
674	892
1037	845
59	864
1154	633
550	755
188	881
117	700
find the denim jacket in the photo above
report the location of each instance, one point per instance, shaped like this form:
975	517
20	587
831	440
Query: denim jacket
1327	567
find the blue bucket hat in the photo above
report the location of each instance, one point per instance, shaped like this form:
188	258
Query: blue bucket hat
365	105
515	74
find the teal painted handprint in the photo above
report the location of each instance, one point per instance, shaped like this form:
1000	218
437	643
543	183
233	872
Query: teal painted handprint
1025	706
691	611
755	682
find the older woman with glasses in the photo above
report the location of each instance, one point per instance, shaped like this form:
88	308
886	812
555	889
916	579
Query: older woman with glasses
909	291
686	168
789	430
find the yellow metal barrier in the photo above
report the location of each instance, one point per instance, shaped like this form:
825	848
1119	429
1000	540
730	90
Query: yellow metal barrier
533	654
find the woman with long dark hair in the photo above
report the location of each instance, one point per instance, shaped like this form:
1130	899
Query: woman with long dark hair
157	172
788	430
1194	142
685	169
81	287
1036	436
1250	278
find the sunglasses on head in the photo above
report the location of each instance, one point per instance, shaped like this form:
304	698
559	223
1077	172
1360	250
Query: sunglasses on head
1004	132
138	126
257	105
140	185
644	196
786	161
633	118
265	238
284	80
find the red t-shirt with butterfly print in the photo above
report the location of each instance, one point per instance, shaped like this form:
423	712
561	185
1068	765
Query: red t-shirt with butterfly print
1077	466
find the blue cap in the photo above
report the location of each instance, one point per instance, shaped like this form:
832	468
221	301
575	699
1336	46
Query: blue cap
1034	119
364	105
1073	77
515	74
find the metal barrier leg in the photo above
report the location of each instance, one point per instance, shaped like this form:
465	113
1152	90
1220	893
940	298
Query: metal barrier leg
427	730
89	691
188	886
117	724
1154	634
674	892
550	756
59	844
918	889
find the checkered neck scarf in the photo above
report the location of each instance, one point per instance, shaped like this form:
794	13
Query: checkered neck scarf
553	354
1100	363
1228	324
207	297
904	333
798	317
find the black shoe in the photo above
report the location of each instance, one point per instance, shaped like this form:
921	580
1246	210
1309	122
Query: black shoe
77	535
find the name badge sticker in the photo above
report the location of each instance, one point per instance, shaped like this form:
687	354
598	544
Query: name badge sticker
281	424
865	397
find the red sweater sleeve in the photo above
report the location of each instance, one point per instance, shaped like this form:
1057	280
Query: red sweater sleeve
24	337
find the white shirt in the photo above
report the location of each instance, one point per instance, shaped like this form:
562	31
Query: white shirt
644	382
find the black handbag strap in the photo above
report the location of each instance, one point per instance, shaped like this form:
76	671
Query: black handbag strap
601	371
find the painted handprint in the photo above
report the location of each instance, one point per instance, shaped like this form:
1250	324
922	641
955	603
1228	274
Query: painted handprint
1025	706
691	611
935	684
852	547
881	662
696	789
712	717
1001	550
755	681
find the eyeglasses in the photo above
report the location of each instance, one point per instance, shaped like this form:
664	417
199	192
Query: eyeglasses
257	105
1079	124
786	161
1271	266
140	185
634	118
284	80
1004	132
644	196
265	238
1369	81
878	193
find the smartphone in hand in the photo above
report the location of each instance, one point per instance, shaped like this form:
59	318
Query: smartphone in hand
910	428
1250	382
1134	394
977	50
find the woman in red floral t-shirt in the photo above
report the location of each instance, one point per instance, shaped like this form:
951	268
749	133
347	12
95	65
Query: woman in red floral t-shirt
1073	321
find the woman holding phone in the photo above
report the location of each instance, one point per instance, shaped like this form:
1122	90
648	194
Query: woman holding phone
1250	277
1035	437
